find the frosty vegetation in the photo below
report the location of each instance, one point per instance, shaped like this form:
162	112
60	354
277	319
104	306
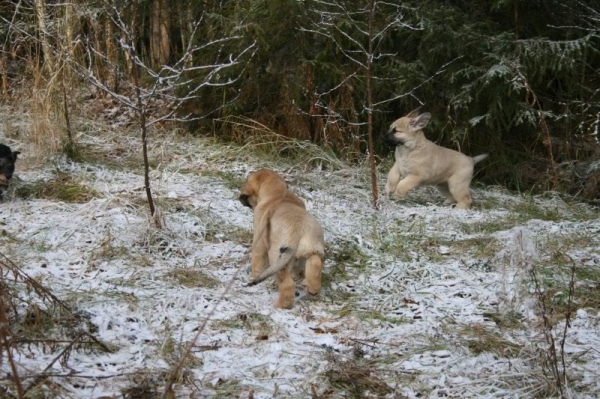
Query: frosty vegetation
418	300
124	251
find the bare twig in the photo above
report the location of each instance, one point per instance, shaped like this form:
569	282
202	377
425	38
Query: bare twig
83	376
571	294
188	350
532	102
40	377
45	294
171	83
5	342
546	315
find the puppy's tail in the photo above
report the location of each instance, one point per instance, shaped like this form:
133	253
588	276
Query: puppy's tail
480	158
285	256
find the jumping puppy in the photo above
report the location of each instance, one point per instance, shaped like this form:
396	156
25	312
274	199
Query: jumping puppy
285	237
421	162
7	166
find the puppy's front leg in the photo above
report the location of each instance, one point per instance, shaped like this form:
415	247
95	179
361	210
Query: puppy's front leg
392	180
405	185
313	274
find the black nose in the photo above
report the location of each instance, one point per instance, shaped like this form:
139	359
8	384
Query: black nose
244	200
390	139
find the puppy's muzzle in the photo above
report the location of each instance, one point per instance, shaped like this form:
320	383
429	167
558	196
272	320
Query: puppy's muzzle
390	139
244	200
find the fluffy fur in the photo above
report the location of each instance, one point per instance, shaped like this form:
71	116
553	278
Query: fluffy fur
286	237
421	162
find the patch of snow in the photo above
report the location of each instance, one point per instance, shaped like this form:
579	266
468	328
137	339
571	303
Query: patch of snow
391	296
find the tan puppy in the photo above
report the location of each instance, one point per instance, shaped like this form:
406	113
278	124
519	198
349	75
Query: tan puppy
286	236
421	162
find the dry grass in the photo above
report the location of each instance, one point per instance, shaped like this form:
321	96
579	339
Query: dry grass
482	339
216	229
355	377
62	187
558	252
260	324
259	140
479	247
144	386
193	278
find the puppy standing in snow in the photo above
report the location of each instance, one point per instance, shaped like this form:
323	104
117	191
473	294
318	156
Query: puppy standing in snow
7	166
286	237
421	162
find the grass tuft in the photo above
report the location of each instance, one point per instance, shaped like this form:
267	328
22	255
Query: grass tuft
193	278
261	325
62	188
481	339
529	209
263	142
357	377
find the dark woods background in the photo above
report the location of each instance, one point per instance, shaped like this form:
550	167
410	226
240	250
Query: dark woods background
519	79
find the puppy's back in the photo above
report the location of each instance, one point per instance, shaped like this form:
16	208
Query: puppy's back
294	221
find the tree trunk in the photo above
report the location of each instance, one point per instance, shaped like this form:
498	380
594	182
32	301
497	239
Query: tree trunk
40	11
141	112
111	54
186	27
69	28
133	30
374	190
159	39
4	72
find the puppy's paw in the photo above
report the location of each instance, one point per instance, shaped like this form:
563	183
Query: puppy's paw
398	196
284	303
313	288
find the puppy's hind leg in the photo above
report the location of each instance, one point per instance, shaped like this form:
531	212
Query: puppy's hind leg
313	274
459	188
287	289
443	188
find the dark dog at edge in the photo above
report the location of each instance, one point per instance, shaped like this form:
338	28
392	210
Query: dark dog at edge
7	166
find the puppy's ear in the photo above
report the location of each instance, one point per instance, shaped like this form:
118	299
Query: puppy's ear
13	156
420	122
414	113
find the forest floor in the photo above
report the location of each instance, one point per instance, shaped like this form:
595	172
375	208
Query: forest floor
419	299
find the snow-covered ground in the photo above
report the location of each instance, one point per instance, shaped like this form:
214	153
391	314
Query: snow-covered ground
419	300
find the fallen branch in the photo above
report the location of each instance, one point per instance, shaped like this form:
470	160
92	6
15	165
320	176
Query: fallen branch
46	295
